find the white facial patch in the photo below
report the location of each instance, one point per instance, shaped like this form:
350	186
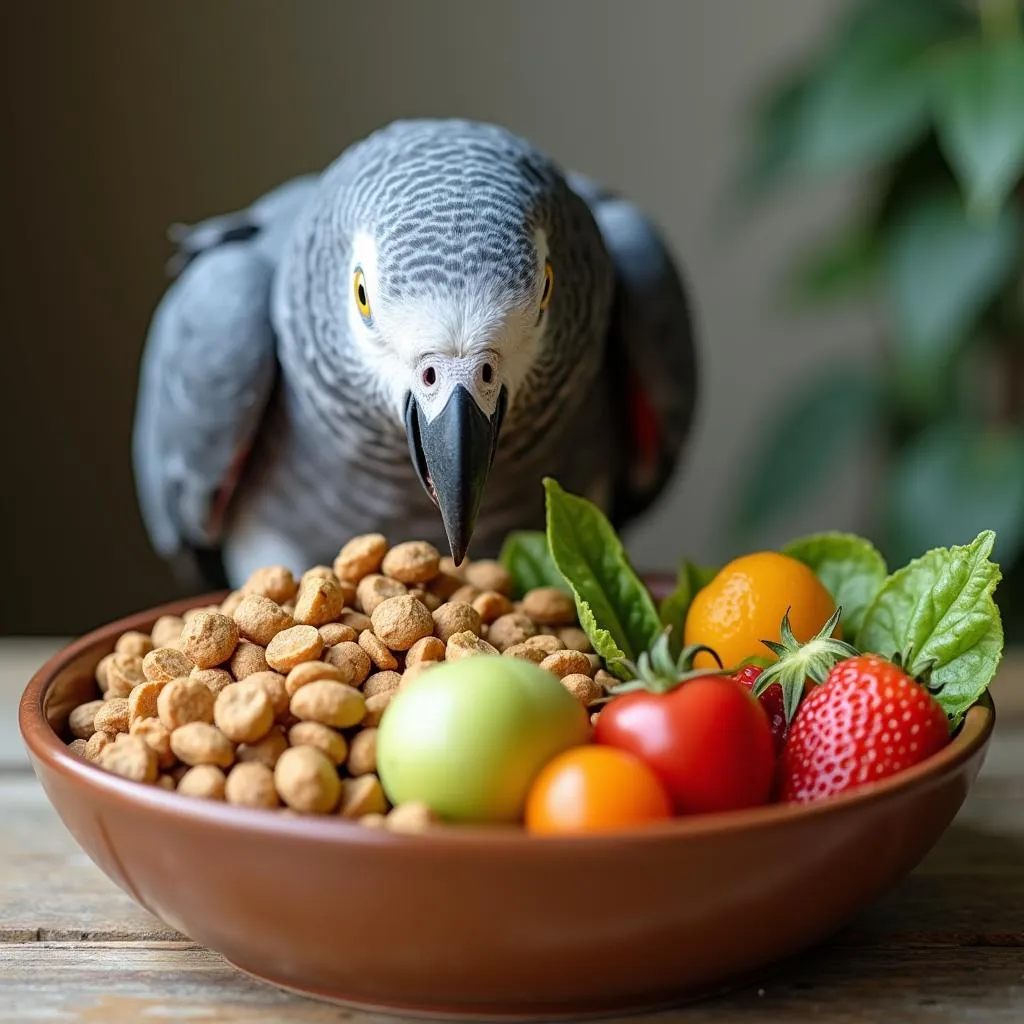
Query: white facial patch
433	343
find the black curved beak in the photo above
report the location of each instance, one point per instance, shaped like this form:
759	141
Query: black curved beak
453	456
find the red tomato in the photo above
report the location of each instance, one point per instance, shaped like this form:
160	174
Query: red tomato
594	789
708	740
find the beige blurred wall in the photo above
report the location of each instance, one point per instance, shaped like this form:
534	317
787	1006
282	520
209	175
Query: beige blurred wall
122	117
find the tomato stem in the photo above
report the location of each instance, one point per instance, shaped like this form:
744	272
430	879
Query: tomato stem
656	671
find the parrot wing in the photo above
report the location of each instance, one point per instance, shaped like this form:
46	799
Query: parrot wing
651	357
207	372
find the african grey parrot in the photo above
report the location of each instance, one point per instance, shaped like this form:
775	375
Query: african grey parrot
407	344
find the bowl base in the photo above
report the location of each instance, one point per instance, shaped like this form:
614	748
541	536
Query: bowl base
528	1014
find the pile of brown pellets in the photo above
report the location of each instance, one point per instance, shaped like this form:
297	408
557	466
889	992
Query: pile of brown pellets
272	699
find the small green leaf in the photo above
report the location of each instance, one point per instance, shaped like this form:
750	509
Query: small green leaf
979	110
937	614
526	557
954	480
615	609
818	421
837	269
942	269
673	608
775	138
850	568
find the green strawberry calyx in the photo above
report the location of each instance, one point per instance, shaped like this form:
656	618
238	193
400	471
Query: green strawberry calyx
797	662
656	671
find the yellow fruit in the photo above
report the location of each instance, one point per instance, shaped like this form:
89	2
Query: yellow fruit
744	604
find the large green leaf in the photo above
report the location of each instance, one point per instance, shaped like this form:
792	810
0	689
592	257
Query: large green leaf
979	110
526	556
954	481
615	609
863	100
942	269
815	425
869	101
849	567
938	614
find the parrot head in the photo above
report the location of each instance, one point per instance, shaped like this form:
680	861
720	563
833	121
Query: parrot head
442	244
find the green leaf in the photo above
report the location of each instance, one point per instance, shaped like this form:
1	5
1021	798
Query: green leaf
526	557
673	608
775	133
979	112
615	609
942	269
836	269
869	104
928	19
863	100
850	568
954	480
939	615
817	422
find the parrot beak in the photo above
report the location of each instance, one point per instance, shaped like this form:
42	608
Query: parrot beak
453	456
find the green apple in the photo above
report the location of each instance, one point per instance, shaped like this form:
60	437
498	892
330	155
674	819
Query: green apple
469	736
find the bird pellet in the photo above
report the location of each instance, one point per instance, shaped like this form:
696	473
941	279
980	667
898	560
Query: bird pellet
276	708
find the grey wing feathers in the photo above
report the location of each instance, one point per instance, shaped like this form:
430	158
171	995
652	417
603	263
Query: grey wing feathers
651	341
207	371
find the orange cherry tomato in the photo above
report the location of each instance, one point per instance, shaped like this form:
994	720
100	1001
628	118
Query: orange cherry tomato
595	789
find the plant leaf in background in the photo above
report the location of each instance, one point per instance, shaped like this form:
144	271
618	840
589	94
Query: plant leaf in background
527	559
775	127
849	567
836	269
821	419
929	20
942	269
864	100
938	613
869	103
673	609
616	610
979	112
980	477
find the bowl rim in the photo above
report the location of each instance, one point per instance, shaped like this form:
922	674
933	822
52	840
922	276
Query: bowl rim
46	747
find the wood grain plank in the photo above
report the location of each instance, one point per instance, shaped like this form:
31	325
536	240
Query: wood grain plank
123	984
49	889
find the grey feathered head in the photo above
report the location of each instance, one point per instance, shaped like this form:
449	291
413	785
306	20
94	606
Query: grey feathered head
450	267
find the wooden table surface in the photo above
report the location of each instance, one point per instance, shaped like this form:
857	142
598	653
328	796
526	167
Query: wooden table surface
947	944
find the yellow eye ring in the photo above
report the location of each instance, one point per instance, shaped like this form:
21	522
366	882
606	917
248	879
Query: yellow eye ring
361	294
549	285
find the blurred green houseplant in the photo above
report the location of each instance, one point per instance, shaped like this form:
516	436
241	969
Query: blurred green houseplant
924	101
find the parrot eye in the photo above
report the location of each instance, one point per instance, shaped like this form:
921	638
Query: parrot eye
359	290
549	285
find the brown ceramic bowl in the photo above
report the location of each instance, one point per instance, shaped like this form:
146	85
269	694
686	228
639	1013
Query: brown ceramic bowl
490	922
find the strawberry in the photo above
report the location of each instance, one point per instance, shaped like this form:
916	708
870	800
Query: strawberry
866	721
771	700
